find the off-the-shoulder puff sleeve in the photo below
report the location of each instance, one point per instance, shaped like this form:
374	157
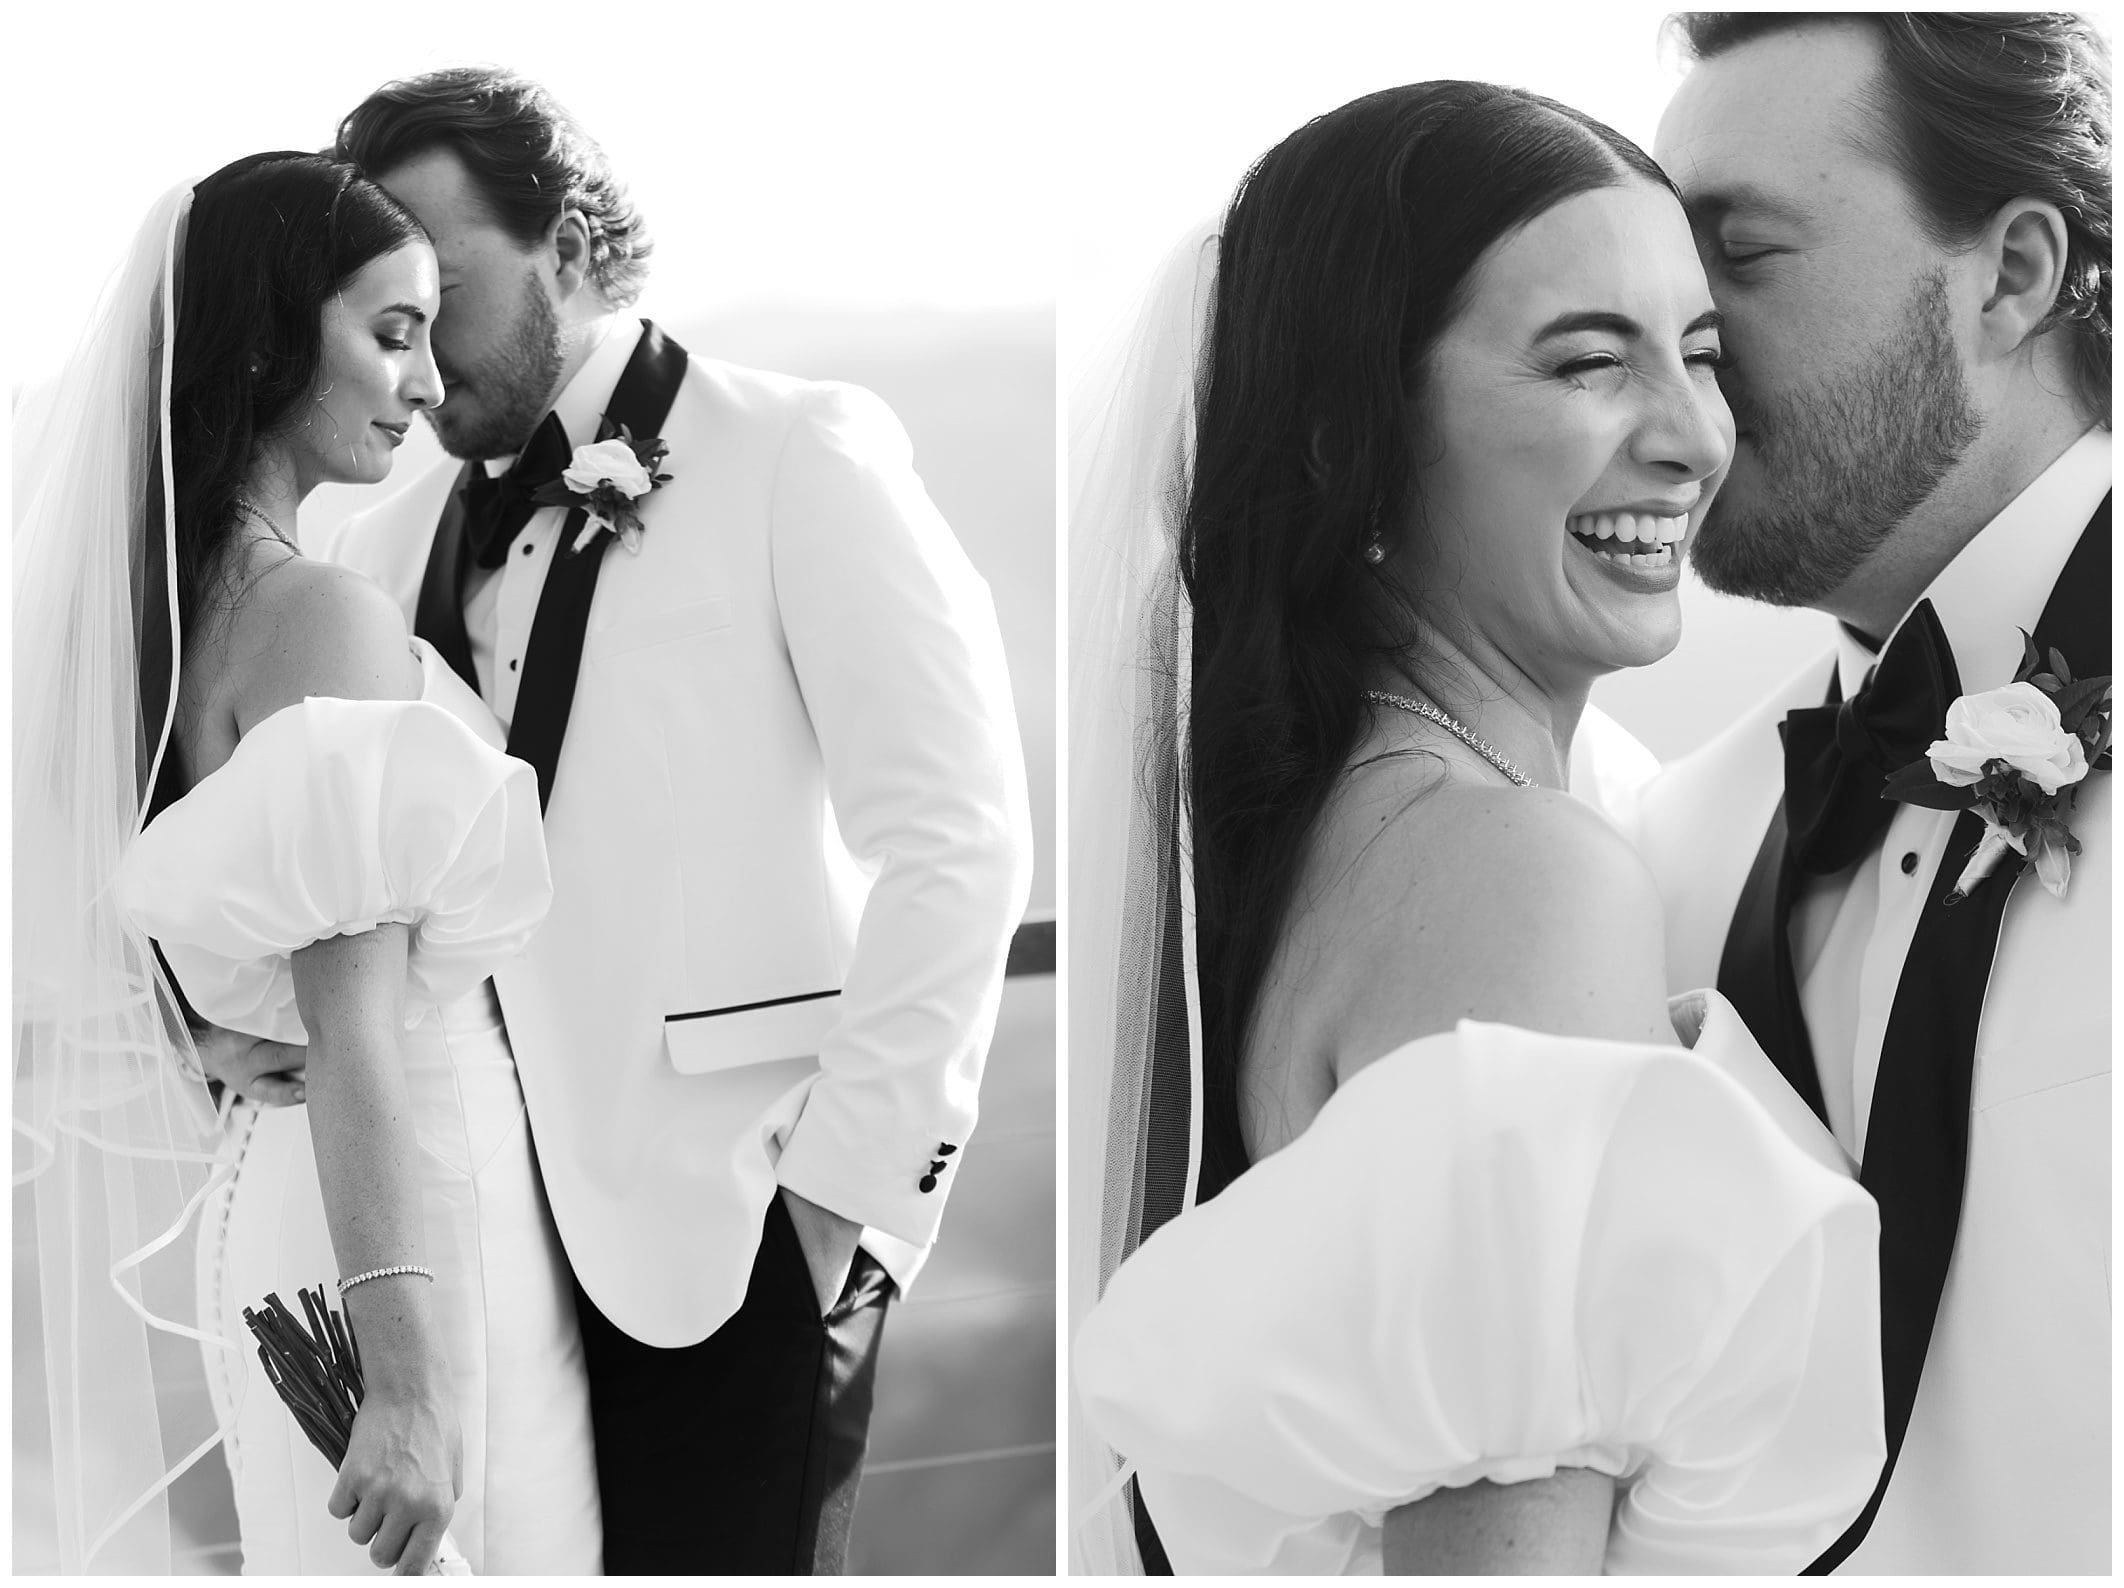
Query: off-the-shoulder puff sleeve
1492	1254
332	817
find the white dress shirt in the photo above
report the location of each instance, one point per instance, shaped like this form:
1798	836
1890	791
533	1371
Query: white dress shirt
1851	931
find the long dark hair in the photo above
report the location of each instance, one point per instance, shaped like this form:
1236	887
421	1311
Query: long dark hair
1345	253
270	239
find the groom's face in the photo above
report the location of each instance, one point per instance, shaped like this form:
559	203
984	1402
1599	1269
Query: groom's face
497	336
1847	387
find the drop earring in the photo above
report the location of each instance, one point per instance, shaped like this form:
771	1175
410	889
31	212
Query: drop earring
1374	552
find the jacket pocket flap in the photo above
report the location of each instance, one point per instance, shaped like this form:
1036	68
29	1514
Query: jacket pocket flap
760	1033
638	630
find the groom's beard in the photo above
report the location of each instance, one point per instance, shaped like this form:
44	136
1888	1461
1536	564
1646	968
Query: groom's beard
503	397
1839	466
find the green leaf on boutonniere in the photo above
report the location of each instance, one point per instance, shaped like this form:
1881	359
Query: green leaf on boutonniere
2030	661
1916	785
2057	665
2075	701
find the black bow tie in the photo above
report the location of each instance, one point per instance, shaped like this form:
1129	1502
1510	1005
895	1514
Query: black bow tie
1840	754
498	507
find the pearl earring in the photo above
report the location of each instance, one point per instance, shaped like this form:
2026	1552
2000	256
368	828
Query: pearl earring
1374	553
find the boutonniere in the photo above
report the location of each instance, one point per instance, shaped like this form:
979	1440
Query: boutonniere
607	478
2016	756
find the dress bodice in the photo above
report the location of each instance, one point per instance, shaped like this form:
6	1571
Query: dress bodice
1492	1254
332	817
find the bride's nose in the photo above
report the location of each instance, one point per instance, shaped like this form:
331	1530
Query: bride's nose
423	384
1686	429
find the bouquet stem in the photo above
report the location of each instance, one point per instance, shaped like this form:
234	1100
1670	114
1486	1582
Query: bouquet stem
317	1373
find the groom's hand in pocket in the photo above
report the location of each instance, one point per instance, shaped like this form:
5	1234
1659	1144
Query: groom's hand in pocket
264	1071
829	1243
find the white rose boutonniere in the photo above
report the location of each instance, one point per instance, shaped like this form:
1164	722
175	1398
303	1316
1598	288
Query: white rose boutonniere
607	478
2016	756
610	463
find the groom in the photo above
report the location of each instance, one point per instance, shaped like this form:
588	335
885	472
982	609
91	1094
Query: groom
1905	220
784	803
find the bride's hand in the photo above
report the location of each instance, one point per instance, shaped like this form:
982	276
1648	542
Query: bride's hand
405	1462
402	1477
254	1067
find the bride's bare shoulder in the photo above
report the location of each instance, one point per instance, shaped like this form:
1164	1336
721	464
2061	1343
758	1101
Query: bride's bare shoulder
315	628
1466	901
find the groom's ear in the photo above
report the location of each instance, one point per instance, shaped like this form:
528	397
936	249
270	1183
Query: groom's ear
2021	260
568	244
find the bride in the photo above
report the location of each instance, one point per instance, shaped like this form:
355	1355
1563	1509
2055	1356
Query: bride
1429	1236
232	760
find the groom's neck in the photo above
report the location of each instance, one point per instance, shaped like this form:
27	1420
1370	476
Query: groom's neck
580	340
2019	440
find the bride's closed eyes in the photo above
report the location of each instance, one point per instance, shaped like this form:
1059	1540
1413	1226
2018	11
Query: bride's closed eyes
1703	358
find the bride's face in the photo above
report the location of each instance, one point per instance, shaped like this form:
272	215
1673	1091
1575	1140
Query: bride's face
377	371
1569	435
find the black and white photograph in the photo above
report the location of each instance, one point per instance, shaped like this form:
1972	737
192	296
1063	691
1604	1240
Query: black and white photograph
534	796
1588	904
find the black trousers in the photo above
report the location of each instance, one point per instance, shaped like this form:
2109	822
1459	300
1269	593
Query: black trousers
741	1453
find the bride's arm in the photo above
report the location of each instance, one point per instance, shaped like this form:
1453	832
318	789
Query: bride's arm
315	629
1555	925
404	1465
1551	1526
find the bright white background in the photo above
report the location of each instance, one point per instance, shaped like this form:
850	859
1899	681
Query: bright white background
838	191
1187	99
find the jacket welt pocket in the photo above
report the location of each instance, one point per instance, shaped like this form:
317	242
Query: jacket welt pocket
705	1040
641	630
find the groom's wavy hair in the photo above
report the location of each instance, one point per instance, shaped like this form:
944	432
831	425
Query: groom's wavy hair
527	156
1976	109
269	240
1345	254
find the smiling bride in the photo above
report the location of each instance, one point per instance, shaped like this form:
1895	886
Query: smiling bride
1434	1238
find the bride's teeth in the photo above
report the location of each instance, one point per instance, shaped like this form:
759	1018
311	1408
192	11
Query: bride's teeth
1631	529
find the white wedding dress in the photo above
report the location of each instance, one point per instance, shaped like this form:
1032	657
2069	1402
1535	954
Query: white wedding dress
333	816
1492	1254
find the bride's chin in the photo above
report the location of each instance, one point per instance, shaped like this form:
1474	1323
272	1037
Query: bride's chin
1641	643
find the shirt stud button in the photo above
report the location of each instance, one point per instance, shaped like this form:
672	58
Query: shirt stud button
512	668
527	548
928	1183
1909	862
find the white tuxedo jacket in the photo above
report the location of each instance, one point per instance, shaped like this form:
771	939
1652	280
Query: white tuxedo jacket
790	842
2005	1466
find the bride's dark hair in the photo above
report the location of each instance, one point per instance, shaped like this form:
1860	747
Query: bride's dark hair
270	239
1344	254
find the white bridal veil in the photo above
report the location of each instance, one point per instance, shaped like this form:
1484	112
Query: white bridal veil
1134	1016
114	1134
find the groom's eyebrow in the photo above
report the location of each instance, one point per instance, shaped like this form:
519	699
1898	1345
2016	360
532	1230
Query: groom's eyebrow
1707	207
1618	324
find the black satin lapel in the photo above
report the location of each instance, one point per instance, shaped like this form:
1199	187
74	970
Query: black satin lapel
554	654
1917	1134
1755	970
439	617
2075	619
